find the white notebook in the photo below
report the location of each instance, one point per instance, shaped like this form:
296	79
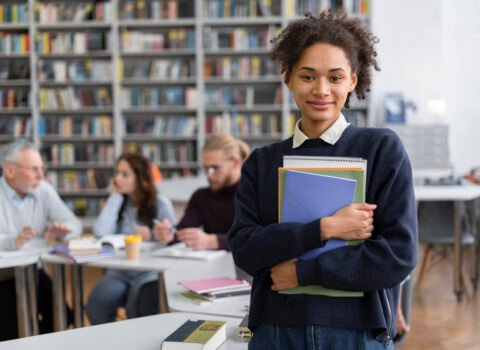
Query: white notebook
323	162
179	250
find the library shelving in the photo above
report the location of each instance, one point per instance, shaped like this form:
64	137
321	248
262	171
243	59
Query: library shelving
89	79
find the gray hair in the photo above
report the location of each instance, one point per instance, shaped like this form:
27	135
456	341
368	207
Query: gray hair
11	151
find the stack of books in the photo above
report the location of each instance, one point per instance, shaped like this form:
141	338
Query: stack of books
83	250
310	188
215	289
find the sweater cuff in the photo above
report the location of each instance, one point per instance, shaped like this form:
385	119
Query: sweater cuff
312	240
312	235
222	241
306	272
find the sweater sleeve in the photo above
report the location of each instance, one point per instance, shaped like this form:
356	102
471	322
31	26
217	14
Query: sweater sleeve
256	245
385	259
57	211
106	223
192	216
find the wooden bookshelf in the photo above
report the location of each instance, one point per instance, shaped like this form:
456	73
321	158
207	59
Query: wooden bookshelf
92	79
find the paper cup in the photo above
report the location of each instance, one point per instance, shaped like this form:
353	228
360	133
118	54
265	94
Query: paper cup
132	247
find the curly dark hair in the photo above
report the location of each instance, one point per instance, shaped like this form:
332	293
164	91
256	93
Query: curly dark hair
334	28
145	189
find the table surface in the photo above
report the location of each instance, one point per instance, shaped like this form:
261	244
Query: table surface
447	193
145	333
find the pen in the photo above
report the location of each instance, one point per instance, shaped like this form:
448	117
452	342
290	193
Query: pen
172	228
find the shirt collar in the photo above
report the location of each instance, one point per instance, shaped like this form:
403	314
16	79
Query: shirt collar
331	135
11	194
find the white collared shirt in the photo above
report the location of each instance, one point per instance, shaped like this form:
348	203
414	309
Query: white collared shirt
14	198
331	135
37	210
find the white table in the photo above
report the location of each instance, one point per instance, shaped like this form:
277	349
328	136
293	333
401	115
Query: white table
24	265
459	195
145	333
58	263
220	267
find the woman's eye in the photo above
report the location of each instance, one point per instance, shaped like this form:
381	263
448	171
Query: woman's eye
307	77
335	79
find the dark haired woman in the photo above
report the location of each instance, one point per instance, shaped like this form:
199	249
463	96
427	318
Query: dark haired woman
324	60
130	209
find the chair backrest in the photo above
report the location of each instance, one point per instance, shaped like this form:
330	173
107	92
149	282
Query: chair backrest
406	305
436	223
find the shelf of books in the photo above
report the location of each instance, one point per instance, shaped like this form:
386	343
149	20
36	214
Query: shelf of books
74	66
15	112
159	83
89	79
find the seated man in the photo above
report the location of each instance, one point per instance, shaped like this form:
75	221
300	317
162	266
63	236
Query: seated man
29	207
210	211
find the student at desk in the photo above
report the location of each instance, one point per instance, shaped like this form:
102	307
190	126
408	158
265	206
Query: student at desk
324	60
212	207
130	209
209	213
29	208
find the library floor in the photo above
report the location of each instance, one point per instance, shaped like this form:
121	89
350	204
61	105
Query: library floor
439	322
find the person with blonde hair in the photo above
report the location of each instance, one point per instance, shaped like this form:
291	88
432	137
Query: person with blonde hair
212	207
210	210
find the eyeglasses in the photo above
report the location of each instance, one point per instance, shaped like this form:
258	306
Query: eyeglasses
211	169
33	169
214	168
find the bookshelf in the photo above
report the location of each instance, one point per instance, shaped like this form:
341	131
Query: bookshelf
86	80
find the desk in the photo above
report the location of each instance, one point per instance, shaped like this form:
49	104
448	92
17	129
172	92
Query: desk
145	263
221	267
145	333
24	266
459	195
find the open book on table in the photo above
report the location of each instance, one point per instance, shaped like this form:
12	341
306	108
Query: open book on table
180	250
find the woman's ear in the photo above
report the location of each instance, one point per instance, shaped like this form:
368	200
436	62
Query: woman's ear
354	79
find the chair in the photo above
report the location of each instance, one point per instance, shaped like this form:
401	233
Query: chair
406	305
436	231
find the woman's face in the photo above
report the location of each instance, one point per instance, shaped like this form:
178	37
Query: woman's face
125	179
320	82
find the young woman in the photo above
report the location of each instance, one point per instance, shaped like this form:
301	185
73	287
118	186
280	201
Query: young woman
130	209
324	60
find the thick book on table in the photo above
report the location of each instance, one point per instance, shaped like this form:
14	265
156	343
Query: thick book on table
243	332
81	258
197	335
314	187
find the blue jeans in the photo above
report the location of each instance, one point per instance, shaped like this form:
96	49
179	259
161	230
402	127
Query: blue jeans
117	288
312	337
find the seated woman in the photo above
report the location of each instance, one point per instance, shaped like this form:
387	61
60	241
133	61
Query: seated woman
130	209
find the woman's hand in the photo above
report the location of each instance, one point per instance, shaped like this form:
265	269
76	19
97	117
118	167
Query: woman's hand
163	231
284	275
144	232
355	221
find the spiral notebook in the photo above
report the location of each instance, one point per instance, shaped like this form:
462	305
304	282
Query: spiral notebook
323	162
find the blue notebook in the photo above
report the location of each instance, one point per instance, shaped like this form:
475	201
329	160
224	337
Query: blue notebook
309	196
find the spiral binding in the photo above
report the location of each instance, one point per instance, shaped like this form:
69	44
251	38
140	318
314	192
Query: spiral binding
324	158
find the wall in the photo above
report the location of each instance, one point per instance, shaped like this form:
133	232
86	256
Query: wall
462	76
428	50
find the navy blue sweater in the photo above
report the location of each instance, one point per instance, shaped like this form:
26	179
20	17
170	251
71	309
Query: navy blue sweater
376	267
